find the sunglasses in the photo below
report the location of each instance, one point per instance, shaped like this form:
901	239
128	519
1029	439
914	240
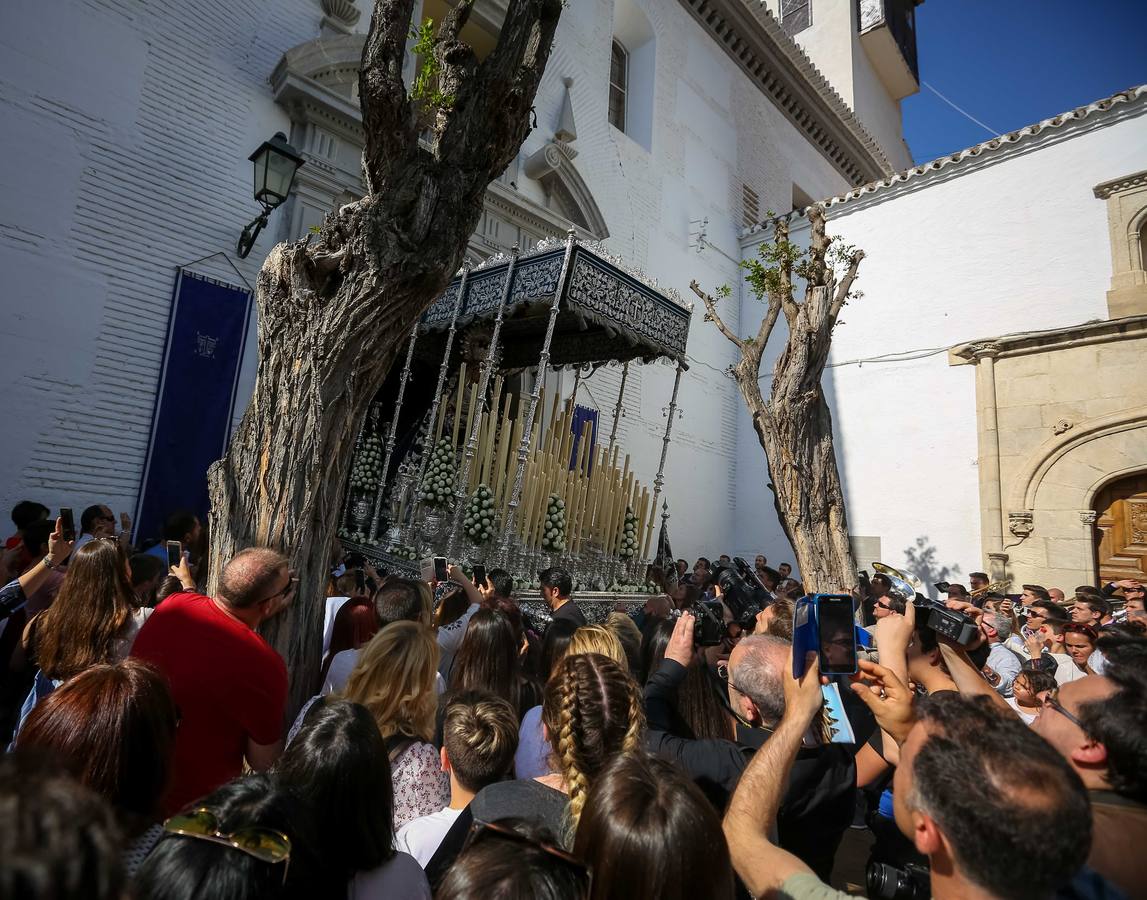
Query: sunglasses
1051	699
264	844
487	831
285	592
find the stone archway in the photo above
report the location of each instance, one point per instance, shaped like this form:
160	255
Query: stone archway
1052	513
1121	528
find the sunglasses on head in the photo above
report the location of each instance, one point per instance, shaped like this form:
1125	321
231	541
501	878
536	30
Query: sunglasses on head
1081	628
264	844
487	831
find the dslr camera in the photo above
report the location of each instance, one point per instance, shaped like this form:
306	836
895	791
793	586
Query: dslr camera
953	625
709	623
889	882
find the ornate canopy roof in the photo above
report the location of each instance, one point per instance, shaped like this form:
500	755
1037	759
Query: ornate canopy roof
607	310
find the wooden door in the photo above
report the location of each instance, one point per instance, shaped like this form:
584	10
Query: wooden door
1121	529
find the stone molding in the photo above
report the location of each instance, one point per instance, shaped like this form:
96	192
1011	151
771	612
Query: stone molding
1104	331
1118	185
1026	483
754	39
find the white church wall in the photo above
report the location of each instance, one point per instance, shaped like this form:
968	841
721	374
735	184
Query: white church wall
1005	242
132	144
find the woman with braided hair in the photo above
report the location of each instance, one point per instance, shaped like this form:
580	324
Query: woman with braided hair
592	712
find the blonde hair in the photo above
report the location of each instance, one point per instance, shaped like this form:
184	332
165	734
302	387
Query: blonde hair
597	639
394	679
593	712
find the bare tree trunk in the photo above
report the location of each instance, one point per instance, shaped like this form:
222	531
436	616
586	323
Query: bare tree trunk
794	426
334	310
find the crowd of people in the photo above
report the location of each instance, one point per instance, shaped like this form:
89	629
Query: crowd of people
454	745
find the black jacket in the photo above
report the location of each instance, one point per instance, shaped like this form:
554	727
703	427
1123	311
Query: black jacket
819	803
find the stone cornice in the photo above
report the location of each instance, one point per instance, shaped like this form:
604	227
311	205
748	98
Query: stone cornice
1118	185
1102	332
754	39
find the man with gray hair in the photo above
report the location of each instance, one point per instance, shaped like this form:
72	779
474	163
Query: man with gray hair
1002	665
229	684
819	803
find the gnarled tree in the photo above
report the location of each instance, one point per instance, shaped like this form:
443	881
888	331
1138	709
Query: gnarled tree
794	425
335	309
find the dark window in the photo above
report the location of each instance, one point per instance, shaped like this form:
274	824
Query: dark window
796	15
618	85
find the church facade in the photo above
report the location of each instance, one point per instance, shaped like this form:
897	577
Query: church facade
665	128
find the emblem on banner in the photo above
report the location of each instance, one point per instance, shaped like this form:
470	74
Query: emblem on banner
205	345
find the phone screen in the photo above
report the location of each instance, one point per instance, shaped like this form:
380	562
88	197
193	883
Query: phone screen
174	553
68	523
426	569
837	635
440	573
479	575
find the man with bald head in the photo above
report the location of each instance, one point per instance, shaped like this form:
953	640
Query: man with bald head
820	801
229	685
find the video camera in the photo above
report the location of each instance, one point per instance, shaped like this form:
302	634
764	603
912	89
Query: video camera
953	625
741	591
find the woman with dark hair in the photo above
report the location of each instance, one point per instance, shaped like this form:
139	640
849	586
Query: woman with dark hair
533	754
514	860
93	620
648	833
489	660
1079	643
113	728
338	764
653	644
248	840
59	840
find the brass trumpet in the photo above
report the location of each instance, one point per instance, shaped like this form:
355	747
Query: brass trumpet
904	586
996	587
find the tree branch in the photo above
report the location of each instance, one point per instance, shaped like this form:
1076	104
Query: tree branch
784	296
387	118
845	286
767	323
713	316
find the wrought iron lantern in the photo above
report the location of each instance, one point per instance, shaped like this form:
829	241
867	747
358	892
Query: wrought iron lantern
276	163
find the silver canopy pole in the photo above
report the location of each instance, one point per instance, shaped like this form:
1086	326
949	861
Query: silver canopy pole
461	485
660	479
390	438
535	395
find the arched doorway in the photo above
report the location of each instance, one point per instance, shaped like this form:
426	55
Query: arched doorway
1121	529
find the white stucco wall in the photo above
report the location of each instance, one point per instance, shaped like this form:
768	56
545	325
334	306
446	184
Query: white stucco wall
1007	242
126	131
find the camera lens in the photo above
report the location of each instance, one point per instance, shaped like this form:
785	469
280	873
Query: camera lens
885	882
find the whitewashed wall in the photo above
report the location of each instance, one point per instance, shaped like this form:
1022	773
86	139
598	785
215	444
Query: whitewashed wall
126	130
1011	241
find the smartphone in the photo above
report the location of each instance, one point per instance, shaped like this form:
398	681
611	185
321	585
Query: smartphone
174	553
837	635
440	573
479	575
426	569
68	523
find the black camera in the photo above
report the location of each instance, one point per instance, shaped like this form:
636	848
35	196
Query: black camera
947	622
887	882
744	601
709	623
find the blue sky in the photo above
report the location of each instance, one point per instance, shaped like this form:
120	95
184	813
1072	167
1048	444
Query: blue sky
1010	63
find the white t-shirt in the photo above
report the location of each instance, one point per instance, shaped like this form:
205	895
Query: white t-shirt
343	664
422	837
450	639
1026	716
334	604
1066	670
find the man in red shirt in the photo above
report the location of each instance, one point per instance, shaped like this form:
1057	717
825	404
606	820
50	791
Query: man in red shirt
229	685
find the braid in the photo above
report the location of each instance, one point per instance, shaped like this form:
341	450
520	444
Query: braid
593	711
